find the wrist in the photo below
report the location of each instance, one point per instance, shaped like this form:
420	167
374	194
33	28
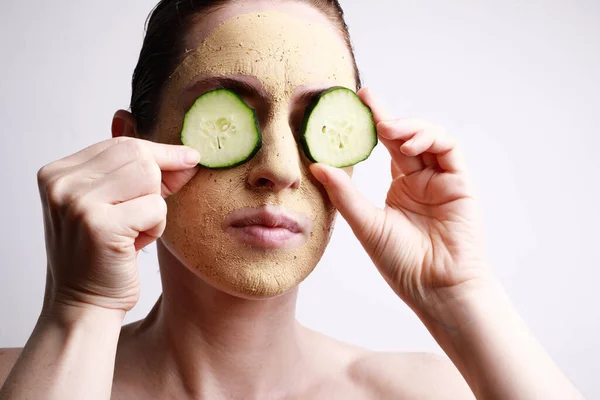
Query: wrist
70	354
482	333
455	309
71	315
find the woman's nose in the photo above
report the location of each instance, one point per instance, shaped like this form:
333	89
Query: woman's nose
277	166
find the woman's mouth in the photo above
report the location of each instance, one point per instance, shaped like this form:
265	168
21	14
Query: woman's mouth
268	227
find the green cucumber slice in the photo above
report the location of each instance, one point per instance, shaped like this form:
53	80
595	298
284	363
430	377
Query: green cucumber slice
338	129
223	129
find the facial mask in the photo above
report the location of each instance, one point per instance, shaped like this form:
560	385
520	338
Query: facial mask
283	53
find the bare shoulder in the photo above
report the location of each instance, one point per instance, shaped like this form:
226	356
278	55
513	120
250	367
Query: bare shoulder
409	375
376	375
8	358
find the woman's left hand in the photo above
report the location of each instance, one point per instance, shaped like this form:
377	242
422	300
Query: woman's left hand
427	242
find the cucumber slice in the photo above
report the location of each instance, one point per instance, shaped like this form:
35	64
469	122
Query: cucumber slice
338	129
223	129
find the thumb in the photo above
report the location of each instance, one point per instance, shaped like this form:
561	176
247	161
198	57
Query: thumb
362	216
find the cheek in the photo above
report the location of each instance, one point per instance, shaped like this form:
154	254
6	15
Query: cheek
196	212
194	233
313	196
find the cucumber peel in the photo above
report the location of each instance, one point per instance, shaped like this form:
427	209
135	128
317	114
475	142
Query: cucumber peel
338	129
222	128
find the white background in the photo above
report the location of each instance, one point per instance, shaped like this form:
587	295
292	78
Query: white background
518	82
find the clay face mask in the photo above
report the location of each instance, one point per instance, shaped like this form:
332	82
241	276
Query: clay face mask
282	54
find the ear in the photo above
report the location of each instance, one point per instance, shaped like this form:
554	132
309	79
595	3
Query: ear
123	124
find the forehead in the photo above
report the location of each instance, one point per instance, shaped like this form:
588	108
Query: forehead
284	47
205	23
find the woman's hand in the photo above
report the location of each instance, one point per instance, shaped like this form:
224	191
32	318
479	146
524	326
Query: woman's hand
427	242
101	206
428	245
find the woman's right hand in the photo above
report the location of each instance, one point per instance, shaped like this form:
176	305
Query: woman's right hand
101	206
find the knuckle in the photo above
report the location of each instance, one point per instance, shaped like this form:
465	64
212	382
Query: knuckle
439	131
173	155
79	207
442	135
448	139
149	172
119	140
159	204
44	174
135	149
92	219
57	191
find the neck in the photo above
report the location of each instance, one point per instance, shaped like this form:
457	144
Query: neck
215	340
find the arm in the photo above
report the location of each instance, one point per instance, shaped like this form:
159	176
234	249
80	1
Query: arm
101	206
427	243
495	351
8	358
68	356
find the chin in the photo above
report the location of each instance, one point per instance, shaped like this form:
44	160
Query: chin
247	272
255	282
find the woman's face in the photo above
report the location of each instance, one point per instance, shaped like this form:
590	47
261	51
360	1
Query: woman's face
258	229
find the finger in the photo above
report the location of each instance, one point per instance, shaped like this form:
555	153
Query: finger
432	140
422	141
168	157
402	129
144	240
418	143
136	179
430	160
452	161
380	113
174	181
405	164
361	215
144	218
90	152
436	144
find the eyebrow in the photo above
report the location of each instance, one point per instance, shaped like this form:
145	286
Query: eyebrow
245	87
308	95
241	86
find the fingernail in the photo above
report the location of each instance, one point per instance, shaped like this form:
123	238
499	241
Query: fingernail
191	157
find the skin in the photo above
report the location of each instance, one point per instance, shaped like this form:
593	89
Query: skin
206	341
279	174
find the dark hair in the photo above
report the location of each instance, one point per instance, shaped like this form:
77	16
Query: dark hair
163	50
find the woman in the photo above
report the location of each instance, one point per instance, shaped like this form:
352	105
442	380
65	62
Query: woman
225	326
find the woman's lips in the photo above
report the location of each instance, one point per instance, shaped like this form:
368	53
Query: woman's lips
268	227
